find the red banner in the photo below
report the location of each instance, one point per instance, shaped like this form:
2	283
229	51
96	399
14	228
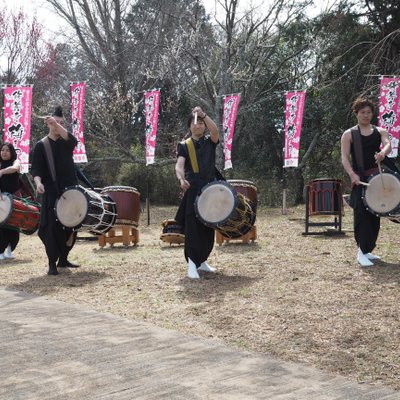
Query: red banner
389	111
231	105
152	104
17	121
293	121
78	91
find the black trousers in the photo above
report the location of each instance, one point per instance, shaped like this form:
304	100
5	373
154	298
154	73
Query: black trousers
199	238
8	237
57	241
366	224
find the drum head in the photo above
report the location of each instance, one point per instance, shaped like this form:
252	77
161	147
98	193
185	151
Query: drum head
383	193
216	203
71	208
5	207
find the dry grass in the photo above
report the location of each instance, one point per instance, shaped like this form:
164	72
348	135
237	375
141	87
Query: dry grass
300	298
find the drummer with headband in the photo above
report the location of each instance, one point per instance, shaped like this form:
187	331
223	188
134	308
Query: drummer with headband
53	170
363	144
195	167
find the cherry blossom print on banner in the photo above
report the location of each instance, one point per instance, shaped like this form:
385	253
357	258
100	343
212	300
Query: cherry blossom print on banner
231	105
152	104
78	91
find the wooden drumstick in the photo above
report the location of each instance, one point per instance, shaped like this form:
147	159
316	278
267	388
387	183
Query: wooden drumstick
39	116
380	172
364	183
195	118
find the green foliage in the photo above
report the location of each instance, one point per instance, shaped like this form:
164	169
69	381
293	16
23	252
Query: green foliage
157	183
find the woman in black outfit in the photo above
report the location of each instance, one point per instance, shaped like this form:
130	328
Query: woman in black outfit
9	182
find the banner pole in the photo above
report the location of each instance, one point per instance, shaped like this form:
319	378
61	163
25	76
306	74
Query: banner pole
147	197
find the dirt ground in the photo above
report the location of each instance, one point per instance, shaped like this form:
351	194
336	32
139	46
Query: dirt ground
299	298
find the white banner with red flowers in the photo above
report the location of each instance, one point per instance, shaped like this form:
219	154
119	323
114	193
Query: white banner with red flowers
231	105
293	121
17	121
78	91
389	111
152	104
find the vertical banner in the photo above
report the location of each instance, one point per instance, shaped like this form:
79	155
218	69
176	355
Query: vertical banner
78	91
231	105
389	111
17	121
293	120
152	104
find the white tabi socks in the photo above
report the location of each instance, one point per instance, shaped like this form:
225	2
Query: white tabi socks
363	259
192	270
205	267
371	256
8	253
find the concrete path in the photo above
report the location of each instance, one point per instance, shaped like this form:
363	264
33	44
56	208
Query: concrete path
54	350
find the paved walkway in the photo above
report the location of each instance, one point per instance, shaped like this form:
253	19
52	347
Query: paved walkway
54	350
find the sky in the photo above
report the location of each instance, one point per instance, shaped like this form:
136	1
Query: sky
52	21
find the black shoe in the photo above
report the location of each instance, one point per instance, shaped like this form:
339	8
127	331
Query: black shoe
52	270
67	264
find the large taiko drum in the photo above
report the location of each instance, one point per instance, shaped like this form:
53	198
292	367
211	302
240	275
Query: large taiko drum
128	204
19	213
382	195
247	189
81	209
221	207
325	196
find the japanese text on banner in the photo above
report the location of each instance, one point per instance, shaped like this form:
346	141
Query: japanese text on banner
231	105
389	111
78	91
17	121
152	103
293	121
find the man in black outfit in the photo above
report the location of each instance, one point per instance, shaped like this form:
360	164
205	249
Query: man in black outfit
199	239
53	170
370	139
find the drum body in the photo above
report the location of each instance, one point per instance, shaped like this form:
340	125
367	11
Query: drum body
382	196
19	214
221	207
325	196
247	189
81	209
127	200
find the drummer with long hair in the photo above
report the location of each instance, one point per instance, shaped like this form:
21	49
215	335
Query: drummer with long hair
195	168
367	146
9	182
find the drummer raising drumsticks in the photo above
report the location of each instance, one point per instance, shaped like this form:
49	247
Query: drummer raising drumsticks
362	144
53	170
195	168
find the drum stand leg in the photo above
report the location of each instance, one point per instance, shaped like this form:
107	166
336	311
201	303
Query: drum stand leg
124	234
251	235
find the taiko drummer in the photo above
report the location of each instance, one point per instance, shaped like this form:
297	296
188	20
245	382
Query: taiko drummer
195	168
362	143
53	170
9	182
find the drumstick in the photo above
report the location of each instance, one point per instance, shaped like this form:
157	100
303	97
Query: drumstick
39	116
195	118
380	172
364	183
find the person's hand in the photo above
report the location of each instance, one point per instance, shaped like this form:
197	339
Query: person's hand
379	156
40	188
184	184
200	113
50	121
355	179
